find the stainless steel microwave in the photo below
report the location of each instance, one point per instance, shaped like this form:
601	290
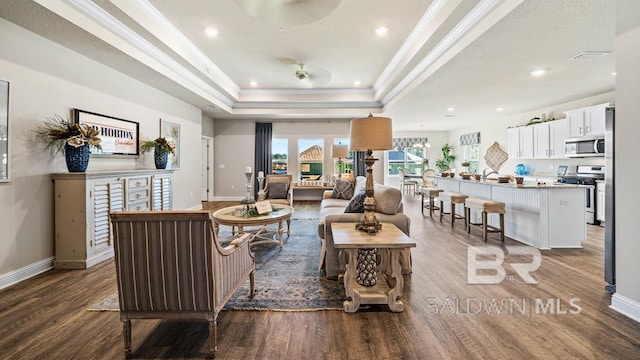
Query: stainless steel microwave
584	146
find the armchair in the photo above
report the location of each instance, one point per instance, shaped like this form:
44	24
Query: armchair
282	189
169	265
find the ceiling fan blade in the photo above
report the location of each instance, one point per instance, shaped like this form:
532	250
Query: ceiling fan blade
289	12
287	61
318	75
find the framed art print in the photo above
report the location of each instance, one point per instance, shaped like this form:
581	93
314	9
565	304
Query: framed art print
118	137
171	132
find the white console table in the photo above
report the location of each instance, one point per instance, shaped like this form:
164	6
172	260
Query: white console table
83	201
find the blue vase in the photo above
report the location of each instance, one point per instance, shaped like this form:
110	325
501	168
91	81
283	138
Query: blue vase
77	157
160	159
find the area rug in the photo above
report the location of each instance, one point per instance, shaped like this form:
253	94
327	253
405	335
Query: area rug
286	280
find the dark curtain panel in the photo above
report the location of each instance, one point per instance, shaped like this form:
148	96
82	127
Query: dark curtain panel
263	152
359	167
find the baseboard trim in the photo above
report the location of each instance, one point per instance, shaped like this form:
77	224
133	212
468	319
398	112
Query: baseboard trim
25	272
626	306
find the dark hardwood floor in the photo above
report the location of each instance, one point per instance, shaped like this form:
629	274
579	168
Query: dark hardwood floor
445	318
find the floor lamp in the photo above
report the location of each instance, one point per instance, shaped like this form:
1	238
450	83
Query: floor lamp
339	151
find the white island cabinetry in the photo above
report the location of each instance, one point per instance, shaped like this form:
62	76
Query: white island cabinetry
548	216
83	201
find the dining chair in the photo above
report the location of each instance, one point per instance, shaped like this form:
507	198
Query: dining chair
406	183
428	179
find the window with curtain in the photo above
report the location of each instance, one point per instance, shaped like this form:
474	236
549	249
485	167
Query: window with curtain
470	145
408	153
311	158
279	157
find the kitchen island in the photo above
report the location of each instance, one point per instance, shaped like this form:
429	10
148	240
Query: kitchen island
544	216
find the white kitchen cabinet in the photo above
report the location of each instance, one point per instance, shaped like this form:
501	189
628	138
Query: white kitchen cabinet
548	139
558	132
541	138
587	121
521	142
576	122
83	202
594	119
600	201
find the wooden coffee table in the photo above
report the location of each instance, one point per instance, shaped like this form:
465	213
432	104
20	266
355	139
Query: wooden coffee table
229	216
389	241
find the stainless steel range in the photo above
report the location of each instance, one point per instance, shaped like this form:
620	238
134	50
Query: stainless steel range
587	175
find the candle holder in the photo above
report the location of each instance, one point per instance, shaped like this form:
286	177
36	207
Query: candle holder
260	188
248	200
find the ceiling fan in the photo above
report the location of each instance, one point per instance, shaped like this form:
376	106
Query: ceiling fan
312	75
302	74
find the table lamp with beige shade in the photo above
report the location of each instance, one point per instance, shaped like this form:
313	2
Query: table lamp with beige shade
368	134
339	151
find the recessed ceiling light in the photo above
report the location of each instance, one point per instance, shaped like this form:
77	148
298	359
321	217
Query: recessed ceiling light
450	108
381	31
211	31
537	73
613	73
499	108
253	83
356	83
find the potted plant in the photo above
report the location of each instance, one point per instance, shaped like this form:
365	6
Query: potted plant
447	157
61	136
161	149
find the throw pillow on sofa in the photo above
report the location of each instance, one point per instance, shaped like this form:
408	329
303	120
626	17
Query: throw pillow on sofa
388	199
343	189
356	205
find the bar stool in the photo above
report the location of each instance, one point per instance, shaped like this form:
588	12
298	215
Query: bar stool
432	193
454	198
487	207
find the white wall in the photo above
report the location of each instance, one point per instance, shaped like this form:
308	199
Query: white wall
207	126
233	145
47	79
495	129
627	165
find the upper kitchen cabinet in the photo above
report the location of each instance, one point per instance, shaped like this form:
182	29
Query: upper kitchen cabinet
587	121
594	119
521	142
548	139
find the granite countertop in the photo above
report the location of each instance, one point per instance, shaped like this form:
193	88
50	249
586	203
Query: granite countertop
494	182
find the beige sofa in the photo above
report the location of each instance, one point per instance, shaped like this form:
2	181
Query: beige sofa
388	210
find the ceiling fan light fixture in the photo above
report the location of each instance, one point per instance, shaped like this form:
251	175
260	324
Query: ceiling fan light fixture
302	73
